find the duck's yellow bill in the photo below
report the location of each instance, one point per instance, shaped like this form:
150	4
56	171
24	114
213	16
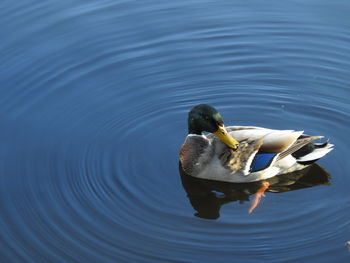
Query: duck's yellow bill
226	138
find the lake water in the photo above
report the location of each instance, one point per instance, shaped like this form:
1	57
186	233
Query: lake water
94	98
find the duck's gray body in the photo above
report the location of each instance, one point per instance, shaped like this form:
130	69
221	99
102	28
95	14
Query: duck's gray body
262	153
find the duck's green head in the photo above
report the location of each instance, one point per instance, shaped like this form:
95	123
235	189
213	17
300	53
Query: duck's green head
205	118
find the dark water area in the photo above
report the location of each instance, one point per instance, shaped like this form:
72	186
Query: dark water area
94	98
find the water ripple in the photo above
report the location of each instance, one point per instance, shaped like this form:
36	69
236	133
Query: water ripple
94	105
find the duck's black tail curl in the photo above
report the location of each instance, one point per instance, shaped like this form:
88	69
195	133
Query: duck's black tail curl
311	152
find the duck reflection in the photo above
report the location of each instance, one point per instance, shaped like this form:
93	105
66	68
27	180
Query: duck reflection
207	196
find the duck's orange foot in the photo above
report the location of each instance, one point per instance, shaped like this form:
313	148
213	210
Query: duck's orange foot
260	193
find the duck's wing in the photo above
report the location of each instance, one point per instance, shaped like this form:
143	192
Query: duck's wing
278	144
273	141
275	145
266	158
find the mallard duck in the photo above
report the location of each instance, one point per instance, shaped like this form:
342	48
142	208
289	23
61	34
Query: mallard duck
243	153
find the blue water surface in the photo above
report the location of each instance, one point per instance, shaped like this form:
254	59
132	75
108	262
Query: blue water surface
94	98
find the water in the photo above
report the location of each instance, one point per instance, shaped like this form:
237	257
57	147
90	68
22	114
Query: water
93	107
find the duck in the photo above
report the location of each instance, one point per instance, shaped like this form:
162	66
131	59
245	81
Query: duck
243	154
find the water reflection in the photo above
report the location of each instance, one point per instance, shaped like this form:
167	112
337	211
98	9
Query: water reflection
207	196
